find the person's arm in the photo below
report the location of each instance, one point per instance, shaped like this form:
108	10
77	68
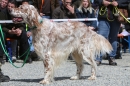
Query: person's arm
123	3
4	28
103	2
18	29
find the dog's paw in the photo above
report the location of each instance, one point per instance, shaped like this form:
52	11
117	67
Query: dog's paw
92	78
44	82
74	78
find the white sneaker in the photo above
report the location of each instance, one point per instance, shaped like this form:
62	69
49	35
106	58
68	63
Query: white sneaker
13	58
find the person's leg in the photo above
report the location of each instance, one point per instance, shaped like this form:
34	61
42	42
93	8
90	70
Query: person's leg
1	55
30	43
48	17
13	47
115	25
3	78
24	45
103	29
1	50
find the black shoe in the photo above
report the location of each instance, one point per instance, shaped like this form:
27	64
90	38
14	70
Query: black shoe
70	57
29	61
37	59
34	56
98	63
4	78
112	62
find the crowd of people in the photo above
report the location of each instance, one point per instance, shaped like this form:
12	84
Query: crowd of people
107	24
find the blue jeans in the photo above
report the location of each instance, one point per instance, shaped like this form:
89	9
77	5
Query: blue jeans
109	29
30	43
48	17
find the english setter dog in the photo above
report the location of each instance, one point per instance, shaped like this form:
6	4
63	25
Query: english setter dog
54	42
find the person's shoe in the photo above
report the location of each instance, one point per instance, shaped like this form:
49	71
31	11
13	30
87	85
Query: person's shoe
2	61
4	78
98	63
34	56
112	62
70	57
29	61
14	59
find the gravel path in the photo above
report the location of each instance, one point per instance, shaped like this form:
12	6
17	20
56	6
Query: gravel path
31	74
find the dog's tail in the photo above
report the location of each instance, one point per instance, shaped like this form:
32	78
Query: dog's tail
96	45
102	45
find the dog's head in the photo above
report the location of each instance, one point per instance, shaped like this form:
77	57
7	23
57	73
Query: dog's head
27	12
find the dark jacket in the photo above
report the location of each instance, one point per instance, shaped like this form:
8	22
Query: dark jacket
62	13
88	13
109	9
48	6
76	3
3	16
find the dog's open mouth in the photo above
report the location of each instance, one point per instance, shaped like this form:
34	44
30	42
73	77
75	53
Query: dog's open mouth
17	19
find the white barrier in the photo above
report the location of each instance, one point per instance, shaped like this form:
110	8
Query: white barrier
6	21
81	19
56	20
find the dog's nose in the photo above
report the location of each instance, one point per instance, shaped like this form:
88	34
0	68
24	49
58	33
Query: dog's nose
10	10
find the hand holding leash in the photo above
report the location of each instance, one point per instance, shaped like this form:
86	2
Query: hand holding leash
15	31
12	31
114	3
106	3
18	32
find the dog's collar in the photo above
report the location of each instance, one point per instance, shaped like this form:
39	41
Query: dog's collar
34	27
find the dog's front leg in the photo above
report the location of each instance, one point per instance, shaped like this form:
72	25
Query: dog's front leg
79	71
49	70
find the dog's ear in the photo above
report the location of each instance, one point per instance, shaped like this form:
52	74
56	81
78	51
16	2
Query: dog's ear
32	7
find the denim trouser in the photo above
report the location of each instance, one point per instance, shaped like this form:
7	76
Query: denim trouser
109	29
30	43
48	17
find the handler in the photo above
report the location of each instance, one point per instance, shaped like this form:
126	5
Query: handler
3	16
109	25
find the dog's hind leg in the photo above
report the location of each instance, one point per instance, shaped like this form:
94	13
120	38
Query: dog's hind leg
91	61
49	70
79	63
93	70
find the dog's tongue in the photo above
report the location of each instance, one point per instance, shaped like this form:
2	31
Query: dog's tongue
17	19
